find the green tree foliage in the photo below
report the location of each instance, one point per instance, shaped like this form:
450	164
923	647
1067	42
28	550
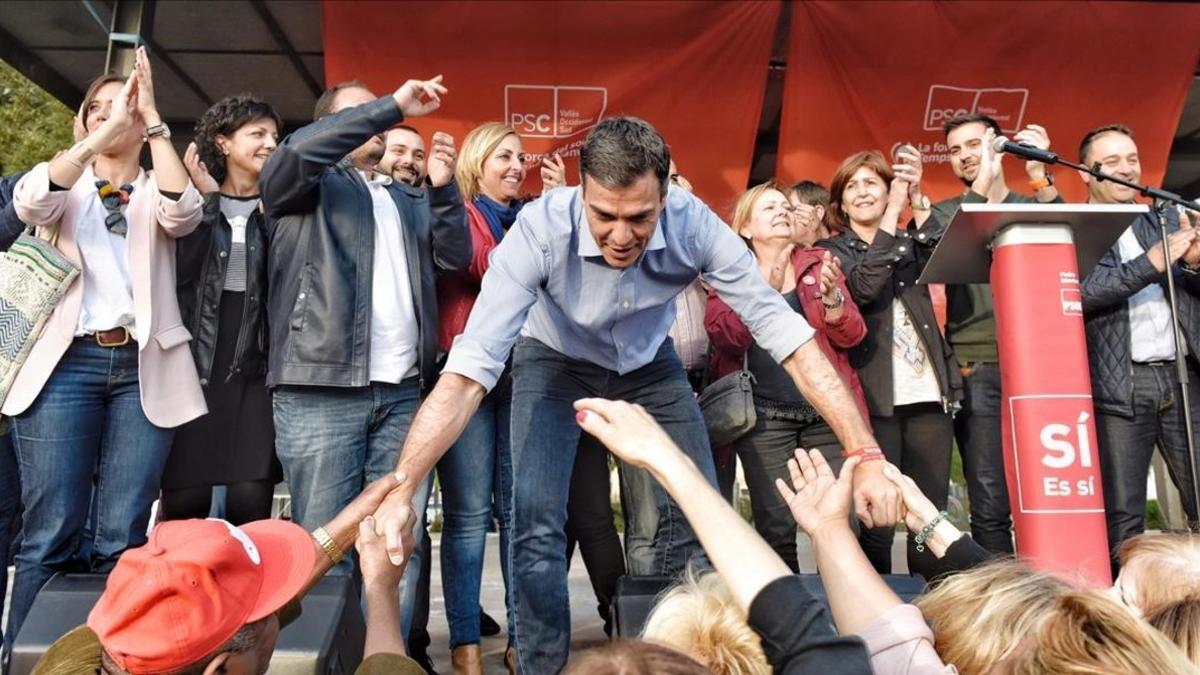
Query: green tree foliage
33	124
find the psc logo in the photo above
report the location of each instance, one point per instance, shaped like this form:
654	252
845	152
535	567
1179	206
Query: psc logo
1055	450
1006	106
553	111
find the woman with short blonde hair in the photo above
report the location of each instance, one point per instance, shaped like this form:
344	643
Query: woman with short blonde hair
1158	569
699	616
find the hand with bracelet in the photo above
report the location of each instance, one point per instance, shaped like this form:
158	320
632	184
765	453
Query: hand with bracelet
921	517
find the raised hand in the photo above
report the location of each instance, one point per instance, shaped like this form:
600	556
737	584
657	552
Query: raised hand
779	266
989	165
419	97
198	172
816	498
147	108
627	430
908	168
442	159
554	172
1036	136
831	271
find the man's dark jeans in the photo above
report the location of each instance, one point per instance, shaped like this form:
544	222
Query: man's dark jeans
977	428
1127	445
544	439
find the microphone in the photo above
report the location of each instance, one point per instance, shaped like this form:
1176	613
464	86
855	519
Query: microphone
1023	150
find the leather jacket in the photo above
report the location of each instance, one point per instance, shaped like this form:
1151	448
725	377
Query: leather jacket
321	248
201	259
877	274
1106	292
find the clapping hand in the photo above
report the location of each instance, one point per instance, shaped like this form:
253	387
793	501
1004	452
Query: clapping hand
1037	137
442	159
908	168
989	164
198	172
554	173
147	108
419	97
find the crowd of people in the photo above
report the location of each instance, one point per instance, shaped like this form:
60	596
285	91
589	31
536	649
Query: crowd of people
354	311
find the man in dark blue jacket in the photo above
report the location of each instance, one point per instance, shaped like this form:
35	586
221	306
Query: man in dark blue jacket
1131	344
352	263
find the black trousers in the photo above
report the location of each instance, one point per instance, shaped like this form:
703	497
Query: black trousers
1127	445
764	453
917	438
977	428
590	523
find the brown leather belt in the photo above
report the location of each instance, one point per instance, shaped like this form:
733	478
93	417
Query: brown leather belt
114	337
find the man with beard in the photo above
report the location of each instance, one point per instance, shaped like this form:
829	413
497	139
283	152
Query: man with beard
404	154
352	257
971	322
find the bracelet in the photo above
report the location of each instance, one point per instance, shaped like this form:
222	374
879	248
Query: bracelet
841	300
928	529
865	450
327	544
870	457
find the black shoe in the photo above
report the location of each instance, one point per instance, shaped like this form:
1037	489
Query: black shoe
487	625
423	660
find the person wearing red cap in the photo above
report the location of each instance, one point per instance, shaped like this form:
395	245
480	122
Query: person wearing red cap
204	596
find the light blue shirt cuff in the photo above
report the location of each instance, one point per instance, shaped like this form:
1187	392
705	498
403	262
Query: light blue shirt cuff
469	359
784	335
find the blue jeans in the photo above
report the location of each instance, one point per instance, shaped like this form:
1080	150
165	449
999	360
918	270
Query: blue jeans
544	439
10	508
977	428
86	452
332	441
476	479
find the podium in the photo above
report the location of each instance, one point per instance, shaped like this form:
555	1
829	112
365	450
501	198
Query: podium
1037	255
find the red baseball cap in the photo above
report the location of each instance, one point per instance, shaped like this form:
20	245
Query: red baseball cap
194	584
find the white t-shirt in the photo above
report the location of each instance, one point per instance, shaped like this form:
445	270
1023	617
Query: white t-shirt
237	211
394	334
913	379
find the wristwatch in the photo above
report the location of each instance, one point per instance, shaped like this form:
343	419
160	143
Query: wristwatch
1046	181
922	204
160	129
838	301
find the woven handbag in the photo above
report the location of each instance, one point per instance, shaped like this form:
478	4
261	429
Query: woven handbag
34	276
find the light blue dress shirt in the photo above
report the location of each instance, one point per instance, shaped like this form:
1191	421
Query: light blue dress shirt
547	280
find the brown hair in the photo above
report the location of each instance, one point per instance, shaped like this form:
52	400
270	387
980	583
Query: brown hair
90	96
324	104
956	122
1085	145
1168	569
1085	632
1179	622
979	617
634	657
836	219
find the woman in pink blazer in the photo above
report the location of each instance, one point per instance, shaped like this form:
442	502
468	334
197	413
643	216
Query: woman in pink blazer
95	404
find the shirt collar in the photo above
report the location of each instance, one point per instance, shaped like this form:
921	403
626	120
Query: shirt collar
587	246
374	177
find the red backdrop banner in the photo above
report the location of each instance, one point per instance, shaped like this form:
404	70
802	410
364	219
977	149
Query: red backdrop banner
871	75
695	70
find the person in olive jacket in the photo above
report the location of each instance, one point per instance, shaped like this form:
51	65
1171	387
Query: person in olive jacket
906	368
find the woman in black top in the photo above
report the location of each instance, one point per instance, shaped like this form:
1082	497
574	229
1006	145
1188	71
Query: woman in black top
905	365
222	296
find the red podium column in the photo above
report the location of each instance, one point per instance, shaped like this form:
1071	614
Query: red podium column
1050	451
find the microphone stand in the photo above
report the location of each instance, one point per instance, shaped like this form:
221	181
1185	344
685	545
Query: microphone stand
1162	199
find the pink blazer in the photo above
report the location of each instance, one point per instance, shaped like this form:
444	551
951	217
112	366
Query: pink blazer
170	388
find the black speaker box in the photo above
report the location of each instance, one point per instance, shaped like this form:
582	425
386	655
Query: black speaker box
327	639
636	596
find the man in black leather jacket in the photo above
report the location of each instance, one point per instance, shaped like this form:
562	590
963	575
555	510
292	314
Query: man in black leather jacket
352	263
1131	347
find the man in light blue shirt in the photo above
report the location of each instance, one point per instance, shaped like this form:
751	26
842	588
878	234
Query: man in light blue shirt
584	286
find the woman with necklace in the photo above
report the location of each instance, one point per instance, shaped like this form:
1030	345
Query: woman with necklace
96	402
222	288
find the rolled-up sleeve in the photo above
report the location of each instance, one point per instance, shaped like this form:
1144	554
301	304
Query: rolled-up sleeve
179	217
35	203
901	643
727	264
516	270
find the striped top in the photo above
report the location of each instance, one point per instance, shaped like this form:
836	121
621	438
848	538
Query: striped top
237	211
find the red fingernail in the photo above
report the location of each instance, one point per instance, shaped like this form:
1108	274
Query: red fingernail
580	416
